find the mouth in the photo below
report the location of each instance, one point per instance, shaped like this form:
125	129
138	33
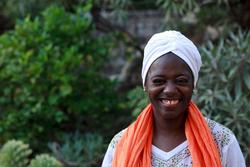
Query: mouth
169	102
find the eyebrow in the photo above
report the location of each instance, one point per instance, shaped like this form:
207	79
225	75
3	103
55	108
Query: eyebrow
179	75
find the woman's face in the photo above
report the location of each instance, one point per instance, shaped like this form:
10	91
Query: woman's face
169	85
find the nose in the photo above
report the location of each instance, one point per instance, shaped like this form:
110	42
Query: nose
170	88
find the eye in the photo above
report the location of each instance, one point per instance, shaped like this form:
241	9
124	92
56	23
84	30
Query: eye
182	80
158	81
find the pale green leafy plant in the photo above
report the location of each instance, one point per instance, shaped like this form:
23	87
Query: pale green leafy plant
14	154
224	84
44	160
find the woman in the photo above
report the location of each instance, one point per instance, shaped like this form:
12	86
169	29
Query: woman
171	130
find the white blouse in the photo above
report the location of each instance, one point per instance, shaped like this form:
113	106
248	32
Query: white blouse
230	152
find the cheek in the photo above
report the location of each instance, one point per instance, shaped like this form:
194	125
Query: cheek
151	95
153	92
188	93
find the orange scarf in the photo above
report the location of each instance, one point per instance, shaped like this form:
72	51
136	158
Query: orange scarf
134	148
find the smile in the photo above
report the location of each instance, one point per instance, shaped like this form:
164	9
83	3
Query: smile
169	103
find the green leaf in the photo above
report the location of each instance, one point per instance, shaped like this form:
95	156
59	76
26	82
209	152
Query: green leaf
238	88
53	99
246	77
232	72
65	90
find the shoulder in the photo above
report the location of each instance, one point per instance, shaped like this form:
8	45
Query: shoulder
228	145
116	139
223	136
107	160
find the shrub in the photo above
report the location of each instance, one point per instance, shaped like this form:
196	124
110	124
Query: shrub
44	160
51	77
137	100
14	153
223	88
79	150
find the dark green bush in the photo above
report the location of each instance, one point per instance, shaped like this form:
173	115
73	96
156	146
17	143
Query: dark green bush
137	100
51	81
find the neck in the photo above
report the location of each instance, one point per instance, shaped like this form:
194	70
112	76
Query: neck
169	127
169	133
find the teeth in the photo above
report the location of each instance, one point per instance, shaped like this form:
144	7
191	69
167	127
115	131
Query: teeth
170	102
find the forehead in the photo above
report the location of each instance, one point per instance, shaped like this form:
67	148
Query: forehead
169	64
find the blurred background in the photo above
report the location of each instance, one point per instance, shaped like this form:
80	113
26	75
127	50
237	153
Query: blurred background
70	72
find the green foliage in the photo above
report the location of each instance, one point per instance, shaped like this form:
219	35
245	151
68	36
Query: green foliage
44	160
224	84
79	150
51	76
14	153
195	17
177	6
20	9
137	100
182	7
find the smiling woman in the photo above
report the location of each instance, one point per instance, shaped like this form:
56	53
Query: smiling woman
171	130
169	85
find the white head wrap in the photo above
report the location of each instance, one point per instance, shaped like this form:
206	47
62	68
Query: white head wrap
175	42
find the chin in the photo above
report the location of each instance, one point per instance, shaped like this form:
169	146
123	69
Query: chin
172	114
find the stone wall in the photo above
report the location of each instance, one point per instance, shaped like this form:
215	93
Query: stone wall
144	23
